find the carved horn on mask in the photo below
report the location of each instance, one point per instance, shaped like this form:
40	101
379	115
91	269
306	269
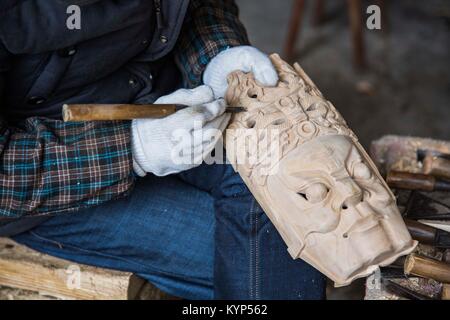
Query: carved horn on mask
233	80
285	72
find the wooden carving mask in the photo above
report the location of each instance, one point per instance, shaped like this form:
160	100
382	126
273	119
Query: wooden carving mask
312	177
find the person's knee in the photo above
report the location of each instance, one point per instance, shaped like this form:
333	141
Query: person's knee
231	184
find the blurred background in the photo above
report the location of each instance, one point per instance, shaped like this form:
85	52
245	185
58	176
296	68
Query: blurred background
403	88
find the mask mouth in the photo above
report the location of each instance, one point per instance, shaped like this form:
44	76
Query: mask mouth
362	225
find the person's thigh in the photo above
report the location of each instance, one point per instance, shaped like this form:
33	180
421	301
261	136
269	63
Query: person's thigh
164	231
251	259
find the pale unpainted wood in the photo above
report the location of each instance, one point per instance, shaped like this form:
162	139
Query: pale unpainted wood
427	268
91	112
21	267
445	291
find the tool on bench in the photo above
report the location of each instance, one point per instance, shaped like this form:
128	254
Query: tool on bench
446	256
445	293
434	163
428	235
427	216
404	292
416	181
420	206
395	270
422	153
427	268
90	112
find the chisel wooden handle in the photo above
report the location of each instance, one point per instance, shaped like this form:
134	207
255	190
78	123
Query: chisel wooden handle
427	268
421	232
427	234
416	181
436	166
445	295
89	112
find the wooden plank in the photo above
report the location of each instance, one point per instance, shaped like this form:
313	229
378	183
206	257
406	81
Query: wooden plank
21	267
7	293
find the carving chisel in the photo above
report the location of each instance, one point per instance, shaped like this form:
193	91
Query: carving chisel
435	163
416	181
90	112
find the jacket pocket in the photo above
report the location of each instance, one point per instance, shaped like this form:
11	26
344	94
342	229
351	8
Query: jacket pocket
50	76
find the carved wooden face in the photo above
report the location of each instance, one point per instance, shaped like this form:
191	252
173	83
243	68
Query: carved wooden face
323	184
325	196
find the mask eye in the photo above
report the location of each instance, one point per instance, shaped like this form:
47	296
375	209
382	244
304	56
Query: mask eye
316	192
362	171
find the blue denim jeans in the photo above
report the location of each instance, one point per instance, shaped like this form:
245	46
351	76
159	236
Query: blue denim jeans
197	235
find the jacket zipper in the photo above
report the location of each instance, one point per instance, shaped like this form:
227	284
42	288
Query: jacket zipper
159	17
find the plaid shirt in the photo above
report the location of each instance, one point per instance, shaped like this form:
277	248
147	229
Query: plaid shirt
51	167
210	27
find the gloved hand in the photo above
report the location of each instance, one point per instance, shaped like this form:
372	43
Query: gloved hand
182	140
244	58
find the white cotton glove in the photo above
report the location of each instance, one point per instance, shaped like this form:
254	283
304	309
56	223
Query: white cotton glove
182	140
244	58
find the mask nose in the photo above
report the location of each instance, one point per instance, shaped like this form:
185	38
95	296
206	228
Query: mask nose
351	192
357	206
